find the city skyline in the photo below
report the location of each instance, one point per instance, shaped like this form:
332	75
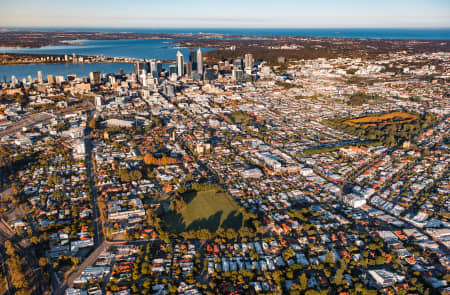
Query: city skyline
236	14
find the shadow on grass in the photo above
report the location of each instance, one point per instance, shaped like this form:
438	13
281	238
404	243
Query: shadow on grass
234	220
212	223
189	196
174	222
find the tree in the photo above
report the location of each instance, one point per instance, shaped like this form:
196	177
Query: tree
43	261
34	240
288	254
135	175
303	281
93	123
338	277
124	175
329	258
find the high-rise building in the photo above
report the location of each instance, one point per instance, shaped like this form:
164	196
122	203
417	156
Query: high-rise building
210	74
140	66
172	69
180	64
40	77
59	79
237	63
50	79
199	61
95	78
155	68
237	75
169	89
193	59
188	68
159	67
249	61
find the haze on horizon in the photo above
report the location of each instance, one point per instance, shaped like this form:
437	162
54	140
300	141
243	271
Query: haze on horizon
229	14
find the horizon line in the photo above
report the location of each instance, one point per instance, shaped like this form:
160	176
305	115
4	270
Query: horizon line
213	28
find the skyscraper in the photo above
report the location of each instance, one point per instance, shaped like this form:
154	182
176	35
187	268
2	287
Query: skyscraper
50	79
249	61
40	77
139	66
155	68
193	59
237	75
94	78
188	68
172	70
199	61
210	74
237	63
180	64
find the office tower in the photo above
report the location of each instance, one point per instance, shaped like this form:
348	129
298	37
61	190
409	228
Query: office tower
172	69
112	79
66	58
159	67
50	79
137	69
40	77
74	57
199	61
188	68
193	59
180	64
237	75
14	80
59	79
95	78
30	79
169	90
155	68
141	66
237	63
210	74
249	61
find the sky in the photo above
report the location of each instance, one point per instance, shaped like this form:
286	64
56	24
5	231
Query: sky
226	14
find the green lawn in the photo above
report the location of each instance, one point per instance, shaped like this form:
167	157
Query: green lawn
208	209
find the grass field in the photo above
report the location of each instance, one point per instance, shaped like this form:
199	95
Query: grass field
207	209
384	119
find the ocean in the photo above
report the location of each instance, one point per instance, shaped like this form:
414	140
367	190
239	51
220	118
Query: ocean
155	48
383	33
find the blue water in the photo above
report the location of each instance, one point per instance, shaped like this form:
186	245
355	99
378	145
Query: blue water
112	48
384	33
22	71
